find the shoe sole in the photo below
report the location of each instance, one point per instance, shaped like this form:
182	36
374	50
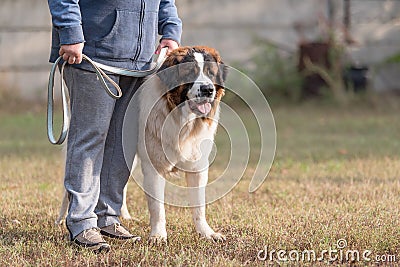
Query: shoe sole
121	237
102	249
97	248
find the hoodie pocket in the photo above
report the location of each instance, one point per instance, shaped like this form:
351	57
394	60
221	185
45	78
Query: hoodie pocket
121	42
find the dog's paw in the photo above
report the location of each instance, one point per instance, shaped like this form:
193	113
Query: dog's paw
218	237
157	240
215	237
59	221
125	213
126	216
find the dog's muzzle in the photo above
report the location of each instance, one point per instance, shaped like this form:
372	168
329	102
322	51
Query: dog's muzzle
201	103
207	90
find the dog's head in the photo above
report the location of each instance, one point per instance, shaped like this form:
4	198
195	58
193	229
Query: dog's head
194	77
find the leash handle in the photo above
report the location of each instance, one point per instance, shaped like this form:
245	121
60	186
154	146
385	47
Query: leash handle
101	75
98	68
50	105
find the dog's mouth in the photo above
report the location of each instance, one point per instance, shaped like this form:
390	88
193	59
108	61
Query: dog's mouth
201	105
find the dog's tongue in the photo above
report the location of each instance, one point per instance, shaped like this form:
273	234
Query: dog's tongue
204	107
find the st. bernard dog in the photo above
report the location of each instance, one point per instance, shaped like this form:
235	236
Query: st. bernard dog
179	109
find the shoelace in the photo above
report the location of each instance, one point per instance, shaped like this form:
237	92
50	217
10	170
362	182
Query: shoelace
88	234
116	227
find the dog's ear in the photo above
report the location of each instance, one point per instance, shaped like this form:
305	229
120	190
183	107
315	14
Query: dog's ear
222	73
173	71
169	77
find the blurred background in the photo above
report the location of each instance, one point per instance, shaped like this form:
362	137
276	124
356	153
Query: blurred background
292	49
330	70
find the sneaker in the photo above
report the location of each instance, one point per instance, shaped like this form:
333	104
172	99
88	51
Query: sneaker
118	231
92	240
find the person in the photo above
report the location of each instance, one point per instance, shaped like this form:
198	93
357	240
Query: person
119	33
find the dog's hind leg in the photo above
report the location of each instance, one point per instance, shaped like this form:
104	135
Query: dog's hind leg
124	209
63	210
197	197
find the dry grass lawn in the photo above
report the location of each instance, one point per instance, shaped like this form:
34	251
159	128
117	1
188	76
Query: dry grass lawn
335	176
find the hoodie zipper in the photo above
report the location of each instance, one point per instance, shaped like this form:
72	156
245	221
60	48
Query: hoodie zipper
139	40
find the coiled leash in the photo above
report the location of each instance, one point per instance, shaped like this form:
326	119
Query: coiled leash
99	70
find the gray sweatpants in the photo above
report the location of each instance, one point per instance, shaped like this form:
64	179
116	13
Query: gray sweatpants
96	171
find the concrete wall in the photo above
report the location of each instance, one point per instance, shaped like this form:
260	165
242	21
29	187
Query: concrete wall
24	46
228	25
232	25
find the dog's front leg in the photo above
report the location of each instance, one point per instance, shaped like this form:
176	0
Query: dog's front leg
197	198
154	186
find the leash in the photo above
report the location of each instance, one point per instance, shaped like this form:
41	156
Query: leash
99	70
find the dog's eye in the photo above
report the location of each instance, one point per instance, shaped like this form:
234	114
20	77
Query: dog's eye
210	73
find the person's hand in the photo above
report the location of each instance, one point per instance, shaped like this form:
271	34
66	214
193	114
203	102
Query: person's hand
171	44
72	53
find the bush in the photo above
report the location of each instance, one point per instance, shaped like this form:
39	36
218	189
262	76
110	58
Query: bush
275	74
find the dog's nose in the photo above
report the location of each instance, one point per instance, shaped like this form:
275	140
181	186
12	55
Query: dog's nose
206	90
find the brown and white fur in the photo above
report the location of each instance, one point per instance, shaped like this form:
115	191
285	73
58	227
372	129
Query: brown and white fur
179	109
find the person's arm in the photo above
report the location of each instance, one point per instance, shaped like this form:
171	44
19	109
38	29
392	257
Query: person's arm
66	18
169	26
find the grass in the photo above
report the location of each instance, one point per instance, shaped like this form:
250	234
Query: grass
335	176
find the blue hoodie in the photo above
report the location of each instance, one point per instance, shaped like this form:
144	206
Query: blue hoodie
119	33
